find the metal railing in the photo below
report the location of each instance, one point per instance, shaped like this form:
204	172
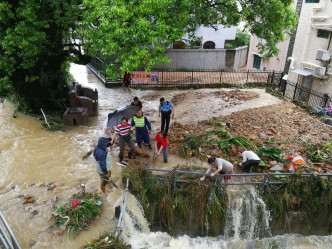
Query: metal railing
266	182
7	237
119	227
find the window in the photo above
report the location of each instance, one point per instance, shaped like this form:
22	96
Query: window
257	62
312	1
209	45
323	33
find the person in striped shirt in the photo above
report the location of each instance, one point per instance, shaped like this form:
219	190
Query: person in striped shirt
123	130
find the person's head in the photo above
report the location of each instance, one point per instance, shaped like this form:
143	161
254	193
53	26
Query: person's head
163	134
135	100
212	160
139	114
124	121
162	100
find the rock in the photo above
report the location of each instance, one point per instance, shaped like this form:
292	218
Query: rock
25	197
273	131
252	137
60	232
35	212
57	191
30	200
294	201
262	134
41	185
259	170
326	138
277	168
273	163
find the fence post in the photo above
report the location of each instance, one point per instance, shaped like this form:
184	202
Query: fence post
272	77
284	92
295	91
174	185
281	76
326	99
162	77
220	75
247	76
192	76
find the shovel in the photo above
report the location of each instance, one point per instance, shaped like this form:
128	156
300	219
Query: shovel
109	180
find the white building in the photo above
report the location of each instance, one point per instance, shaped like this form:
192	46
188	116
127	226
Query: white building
211	38
311	57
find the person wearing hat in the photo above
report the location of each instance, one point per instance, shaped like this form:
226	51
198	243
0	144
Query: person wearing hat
166	108
103	161
219	166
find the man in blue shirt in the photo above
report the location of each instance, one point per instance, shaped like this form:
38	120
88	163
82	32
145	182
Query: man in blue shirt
166	108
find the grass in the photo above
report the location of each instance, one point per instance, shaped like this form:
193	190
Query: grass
305	195
319	152
191	210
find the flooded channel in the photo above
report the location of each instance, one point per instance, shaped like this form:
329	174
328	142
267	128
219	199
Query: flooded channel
48	166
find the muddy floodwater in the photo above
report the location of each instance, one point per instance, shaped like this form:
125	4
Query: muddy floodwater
49	167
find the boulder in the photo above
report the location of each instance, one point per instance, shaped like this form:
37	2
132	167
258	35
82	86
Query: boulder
277	167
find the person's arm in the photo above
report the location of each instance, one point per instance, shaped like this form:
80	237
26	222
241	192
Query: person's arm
161	147
132	123
102	164
147	122
217	171
245	158
114	135
207	172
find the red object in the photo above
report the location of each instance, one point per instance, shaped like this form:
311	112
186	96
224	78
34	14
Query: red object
79	207
328	166
74	203
84	110
229	177
161	141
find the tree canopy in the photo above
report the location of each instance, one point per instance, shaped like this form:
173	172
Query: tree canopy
38	39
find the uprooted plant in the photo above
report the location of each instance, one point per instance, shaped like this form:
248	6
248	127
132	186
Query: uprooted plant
78	213
106	240
319	152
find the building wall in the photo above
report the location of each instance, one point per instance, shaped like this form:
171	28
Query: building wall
217	36
313	16
274	63
206	58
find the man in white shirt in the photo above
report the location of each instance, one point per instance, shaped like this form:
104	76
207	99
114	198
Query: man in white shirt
250	159
219	166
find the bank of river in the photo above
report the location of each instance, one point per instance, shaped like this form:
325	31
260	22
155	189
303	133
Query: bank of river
33	160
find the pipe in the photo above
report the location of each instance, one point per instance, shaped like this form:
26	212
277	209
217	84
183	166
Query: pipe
292	59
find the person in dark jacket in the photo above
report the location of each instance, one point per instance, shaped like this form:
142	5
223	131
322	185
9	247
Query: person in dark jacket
138	103
142	125
103	161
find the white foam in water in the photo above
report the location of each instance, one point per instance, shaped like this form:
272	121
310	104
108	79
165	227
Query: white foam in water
241	231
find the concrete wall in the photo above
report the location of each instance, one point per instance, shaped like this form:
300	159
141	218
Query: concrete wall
206	58
275	63
313	16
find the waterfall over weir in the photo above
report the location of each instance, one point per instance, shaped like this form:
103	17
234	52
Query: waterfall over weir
247	216
247	227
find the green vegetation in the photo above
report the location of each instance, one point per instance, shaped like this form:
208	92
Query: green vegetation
241	39
38	39
194	144
55	124
273	153
106	240
309	196
319	152
78	217
197	208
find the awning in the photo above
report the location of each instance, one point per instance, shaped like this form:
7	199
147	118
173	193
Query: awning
304	71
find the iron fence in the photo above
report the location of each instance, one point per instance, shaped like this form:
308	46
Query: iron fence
7	237
295	91
264	179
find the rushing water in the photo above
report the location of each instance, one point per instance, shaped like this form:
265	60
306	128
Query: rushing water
33	161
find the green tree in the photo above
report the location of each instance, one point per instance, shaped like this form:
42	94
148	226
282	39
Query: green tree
38	39
241	39
36	48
